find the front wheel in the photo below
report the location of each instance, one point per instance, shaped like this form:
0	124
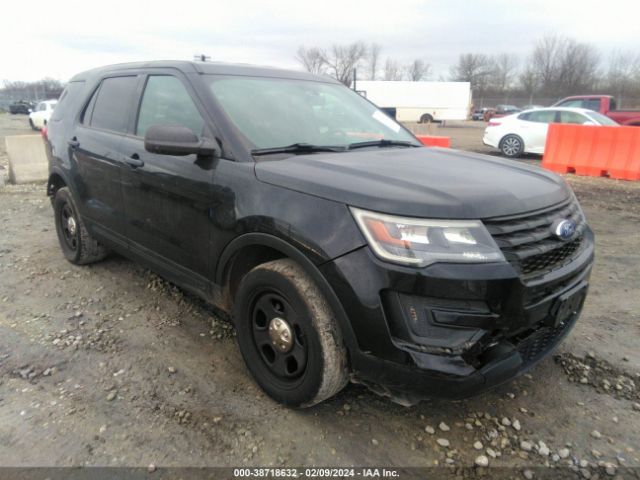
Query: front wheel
288	336
426	118
511	146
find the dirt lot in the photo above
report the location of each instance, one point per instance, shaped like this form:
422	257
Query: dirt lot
109	365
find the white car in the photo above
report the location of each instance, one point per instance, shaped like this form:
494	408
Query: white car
40	115
526	132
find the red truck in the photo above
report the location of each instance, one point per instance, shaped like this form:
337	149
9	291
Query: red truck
604	104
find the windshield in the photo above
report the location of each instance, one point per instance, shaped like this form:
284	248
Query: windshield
275	112
601	119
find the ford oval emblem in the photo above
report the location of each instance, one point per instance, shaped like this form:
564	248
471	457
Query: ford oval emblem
564	229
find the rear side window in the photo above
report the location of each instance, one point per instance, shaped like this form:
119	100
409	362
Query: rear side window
166	101
572	117
543	116
113	103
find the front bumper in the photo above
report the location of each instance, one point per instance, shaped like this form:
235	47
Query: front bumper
453	330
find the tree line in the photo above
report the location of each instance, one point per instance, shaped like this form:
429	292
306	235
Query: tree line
557	66
45	89
340	61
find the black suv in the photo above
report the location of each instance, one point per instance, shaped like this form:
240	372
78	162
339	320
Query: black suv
342	248
21	106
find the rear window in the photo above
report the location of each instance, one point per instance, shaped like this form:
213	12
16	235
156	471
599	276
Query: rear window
602	119
591	104
113	104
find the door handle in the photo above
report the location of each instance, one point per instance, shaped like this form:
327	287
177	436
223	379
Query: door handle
74	143
134	161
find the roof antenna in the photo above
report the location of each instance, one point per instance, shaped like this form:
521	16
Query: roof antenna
201	58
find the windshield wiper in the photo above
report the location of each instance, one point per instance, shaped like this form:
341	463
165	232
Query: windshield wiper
382	143
298	148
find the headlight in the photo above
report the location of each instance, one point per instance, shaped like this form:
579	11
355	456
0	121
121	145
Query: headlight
419	242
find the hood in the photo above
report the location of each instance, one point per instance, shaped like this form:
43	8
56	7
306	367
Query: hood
420	182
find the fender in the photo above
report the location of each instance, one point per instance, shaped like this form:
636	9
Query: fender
271	241
56	170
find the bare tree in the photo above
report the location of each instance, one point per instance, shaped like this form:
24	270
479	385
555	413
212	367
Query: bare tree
392	70
418	70
475	68
623	75
505	66
312	59
565	66
529	82
341	60
373	57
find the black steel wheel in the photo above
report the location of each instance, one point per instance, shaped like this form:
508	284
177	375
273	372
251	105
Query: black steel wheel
279	336
288	336
69	226
77	245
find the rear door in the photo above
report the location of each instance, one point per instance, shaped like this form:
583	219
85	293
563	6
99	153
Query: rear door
167	198
95	144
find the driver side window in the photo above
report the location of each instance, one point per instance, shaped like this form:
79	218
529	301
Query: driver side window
166	101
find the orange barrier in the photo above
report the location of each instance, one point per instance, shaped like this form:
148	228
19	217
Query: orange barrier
593	151
431	141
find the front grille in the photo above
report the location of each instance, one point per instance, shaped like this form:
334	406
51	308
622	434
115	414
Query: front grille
545	261
533	346
528	243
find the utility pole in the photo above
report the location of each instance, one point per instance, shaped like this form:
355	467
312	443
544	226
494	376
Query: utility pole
201	58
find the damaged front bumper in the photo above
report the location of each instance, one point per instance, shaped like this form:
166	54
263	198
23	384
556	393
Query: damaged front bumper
452	330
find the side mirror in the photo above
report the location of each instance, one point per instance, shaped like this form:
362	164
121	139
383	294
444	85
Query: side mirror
177	140
589	123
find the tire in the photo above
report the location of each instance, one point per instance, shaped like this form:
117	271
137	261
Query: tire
33	127
78	246
511	146
315	367
426	118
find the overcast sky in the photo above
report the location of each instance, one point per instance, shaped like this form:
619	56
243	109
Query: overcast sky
58	38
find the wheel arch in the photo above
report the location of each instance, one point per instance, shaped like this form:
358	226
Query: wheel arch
252	249
55	182
511	134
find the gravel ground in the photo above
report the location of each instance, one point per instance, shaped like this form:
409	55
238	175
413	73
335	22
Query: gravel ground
110	365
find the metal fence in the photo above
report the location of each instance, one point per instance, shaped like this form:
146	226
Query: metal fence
492	101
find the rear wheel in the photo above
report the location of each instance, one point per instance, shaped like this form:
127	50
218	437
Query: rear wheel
77	244
288	336
511	146
426	118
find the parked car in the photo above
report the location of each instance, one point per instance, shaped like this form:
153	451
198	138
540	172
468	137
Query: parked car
500	111
479	113
604	104
21	106
341	247
40	116
526	132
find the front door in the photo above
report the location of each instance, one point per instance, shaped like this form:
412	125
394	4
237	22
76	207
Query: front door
167	198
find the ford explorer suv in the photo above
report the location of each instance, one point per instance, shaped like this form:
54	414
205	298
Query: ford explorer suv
341	248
